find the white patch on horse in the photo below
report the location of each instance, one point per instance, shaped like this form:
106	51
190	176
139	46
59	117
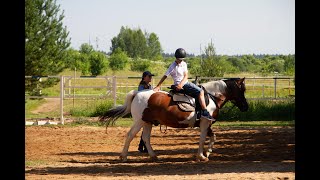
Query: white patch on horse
140	102
215	86
191	119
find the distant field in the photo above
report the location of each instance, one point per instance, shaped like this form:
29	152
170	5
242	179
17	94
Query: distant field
88	98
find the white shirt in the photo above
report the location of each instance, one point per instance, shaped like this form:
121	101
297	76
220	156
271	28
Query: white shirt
177	71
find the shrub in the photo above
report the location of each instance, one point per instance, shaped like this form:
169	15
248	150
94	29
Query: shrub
140	65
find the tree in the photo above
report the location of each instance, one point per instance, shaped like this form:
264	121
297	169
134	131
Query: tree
118	60
210	66
137	44
98	63
46	41
210	51
289	64
86	48
73	59
154	47
237	63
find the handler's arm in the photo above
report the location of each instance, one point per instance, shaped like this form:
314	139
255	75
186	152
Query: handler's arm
157	88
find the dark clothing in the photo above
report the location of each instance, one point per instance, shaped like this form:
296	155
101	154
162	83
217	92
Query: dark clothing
142	147
143	85
192	89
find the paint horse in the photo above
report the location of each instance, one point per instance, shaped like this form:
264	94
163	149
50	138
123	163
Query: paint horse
148	107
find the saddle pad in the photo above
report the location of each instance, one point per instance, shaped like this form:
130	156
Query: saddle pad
184	102
183	98
185	106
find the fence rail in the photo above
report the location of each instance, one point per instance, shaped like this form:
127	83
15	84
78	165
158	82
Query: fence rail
115	87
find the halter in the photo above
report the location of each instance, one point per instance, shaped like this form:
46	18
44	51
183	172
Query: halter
229	93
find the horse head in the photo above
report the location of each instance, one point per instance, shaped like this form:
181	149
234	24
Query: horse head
235	93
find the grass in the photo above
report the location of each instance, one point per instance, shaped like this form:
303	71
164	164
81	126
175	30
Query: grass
31	105
84	121
256	88
34	163
280	110
127	122
88	107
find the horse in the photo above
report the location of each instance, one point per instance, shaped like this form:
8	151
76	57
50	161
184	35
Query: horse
149	107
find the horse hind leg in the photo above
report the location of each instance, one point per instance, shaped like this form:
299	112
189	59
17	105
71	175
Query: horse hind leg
146	138
135	128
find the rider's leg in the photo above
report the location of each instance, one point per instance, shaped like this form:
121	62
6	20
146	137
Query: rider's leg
202	102
196	92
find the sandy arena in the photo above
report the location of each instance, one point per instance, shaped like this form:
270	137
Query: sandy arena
84	152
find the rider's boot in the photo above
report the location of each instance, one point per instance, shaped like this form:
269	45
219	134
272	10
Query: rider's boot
206	115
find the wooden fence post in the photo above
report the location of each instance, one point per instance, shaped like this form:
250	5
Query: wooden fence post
114	89
61	99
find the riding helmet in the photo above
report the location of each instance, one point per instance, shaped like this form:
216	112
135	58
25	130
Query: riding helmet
180	53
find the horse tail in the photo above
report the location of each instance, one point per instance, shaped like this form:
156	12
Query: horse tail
113	114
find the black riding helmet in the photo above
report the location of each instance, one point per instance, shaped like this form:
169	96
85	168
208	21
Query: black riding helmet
180	53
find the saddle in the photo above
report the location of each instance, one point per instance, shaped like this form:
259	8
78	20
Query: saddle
186	102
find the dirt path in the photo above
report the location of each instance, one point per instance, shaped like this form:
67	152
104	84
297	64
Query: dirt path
89	153
50	105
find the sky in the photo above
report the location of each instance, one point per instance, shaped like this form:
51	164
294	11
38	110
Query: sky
235	27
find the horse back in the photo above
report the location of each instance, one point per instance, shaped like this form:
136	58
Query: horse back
161	108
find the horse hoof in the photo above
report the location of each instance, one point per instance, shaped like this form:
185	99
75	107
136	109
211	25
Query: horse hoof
155	158
205	159
123	159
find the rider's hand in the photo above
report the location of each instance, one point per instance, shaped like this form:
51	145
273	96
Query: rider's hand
156	88
178	87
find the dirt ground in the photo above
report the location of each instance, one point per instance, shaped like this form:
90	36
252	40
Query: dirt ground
50	105
84	152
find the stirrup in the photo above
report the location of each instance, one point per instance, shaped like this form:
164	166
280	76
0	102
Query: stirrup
207	118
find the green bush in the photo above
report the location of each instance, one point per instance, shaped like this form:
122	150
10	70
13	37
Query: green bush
101	108
91	111
280	110
140	65
118	60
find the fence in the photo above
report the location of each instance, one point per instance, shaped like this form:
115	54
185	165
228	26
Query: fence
115	88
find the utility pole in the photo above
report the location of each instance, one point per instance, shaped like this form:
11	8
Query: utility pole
200	55
97	39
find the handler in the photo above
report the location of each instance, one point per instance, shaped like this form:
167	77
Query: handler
144	84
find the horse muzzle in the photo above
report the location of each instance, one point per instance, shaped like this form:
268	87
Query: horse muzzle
244	107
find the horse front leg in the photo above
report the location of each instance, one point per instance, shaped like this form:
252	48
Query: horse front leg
146	138
212	138
130	135
204	124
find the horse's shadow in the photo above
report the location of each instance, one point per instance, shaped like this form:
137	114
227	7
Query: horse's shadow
233	153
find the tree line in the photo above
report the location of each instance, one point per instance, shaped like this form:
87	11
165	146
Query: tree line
48	52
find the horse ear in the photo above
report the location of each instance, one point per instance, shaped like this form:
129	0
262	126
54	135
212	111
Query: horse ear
240	81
